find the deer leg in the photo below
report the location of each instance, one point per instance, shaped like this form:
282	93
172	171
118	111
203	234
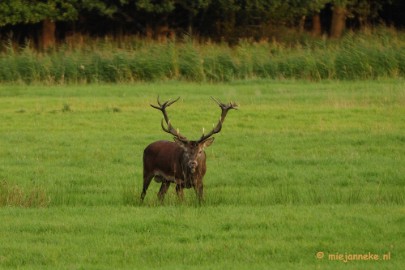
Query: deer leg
199	190
179	191
146	181
163	188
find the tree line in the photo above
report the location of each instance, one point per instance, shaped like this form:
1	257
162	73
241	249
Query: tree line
45	22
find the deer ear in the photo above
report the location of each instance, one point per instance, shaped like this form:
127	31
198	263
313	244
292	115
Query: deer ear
208	142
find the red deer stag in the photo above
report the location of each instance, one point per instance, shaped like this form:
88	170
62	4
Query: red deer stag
181	162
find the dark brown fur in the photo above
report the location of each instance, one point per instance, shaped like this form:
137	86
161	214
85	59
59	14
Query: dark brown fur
179	162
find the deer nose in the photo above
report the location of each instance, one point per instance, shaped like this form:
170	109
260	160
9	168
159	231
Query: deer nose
193	164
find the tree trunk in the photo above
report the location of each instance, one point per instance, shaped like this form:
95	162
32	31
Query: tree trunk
48	34
301	25
149	32
316	25
338	21
190	24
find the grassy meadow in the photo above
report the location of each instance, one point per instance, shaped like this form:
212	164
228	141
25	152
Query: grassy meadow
303	173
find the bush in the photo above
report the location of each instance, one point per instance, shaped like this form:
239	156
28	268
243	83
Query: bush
220	66
355	57
190	63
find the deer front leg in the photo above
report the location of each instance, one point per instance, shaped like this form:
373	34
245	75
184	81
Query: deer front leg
199	189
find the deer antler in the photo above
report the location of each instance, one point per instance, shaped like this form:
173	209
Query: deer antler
224	108
170	129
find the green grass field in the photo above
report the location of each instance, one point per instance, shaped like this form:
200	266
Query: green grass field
302	168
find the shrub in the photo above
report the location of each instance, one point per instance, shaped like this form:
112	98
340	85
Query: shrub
359	56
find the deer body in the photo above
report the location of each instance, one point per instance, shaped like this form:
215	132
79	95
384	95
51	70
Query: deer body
168	162
182	162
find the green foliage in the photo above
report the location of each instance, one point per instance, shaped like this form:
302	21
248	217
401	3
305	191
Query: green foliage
150	6
358	56
220	64
24	11
361	59
27	11
190	63
228	20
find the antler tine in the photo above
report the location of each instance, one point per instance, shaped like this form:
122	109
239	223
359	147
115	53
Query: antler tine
165	104
158	100
224	108
171	102
216	100
230	105
170	129
157	107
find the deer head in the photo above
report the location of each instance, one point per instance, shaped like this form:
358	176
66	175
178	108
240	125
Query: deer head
193	149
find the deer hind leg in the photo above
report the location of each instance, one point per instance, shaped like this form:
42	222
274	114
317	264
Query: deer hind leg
146	181
179	191
163	188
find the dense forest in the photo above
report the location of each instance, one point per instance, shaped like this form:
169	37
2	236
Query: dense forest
45	23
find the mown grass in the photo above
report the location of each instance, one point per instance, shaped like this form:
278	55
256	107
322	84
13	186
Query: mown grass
180	237
301	168
380	54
